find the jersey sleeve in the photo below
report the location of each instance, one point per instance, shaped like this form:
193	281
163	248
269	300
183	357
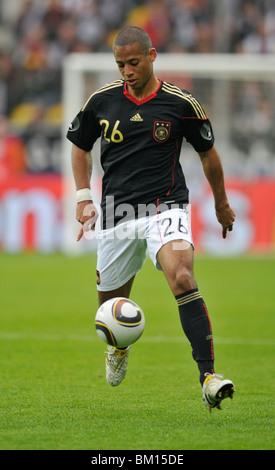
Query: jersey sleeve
84	129
197	127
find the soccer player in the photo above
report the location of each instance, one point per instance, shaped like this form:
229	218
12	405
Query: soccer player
142	121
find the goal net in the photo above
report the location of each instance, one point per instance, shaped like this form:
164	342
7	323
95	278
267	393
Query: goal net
237	93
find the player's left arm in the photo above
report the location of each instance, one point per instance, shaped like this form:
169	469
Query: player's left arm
213	171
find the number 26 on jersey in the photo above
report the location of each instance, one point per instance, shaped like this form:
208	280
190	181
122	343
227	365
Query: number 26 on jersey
111	135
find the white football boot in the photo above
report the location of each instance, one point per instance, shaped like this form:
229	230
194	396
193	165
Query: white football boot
116	365
215	389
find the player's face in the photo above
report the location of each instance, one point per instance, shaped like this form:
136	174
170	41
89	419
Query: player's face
136	67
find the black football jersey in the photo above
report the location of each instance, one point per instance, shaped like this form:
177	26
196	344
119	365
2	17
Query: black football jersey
141	142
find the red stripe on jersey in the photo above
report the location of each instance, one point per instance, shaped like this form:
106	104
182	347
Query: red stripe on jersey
173	171
159	231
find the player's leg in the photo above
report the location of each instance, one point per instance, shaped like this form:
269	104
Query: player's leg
116	363
176	259
118	261
177	266
171	249
123	291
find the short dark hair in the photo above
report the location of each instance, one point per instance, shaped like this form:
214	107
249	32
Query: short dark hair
132	34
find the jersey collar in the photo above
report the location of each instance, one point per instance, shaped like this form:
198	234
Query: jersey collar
144	100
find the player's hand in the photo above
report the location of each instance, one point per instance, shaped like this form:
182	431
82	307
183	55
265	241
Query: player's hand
226	217
86	214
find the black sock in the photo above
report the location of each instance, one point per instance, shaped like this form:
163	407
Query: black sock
197	328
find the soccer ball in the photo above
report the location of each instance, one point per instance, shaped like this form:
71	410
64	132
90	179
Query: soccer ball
119	322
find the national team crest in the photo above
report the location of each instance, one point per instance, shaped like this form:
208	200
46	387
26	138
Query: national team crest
161	130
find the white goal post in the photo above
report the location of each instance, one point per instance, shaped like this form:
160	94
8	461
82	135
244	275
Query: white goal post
214	74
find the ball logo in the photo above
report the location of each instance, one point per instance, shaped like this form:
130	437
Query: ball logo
129	320
161	130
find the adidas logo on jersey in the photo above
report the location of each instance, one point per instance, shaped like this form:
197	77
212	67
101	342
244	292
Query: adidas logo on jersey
137	118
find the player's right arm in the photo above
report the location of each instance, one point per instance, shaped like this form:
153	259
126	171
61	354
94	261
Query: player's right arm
86	212
83	131
82	165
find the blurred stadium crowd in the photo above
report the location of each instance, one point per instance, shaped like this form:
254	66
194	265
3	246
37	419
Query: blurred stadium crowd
36	35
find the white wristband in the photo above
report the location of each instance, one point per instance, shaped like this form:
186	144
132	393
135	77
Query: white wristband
83	195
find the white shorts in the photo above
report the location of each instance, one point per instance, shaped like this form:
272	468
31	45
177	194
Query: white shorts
121	250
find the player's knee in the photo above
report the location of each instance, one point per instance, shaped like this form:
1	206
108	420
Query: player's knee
184	280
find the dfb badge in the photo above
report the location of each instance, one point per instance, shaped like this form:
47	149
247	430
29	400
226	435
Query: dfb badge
161	130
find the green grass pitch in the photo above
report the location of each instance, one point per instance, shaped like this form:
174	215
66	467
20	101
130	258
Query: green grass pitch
53	389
